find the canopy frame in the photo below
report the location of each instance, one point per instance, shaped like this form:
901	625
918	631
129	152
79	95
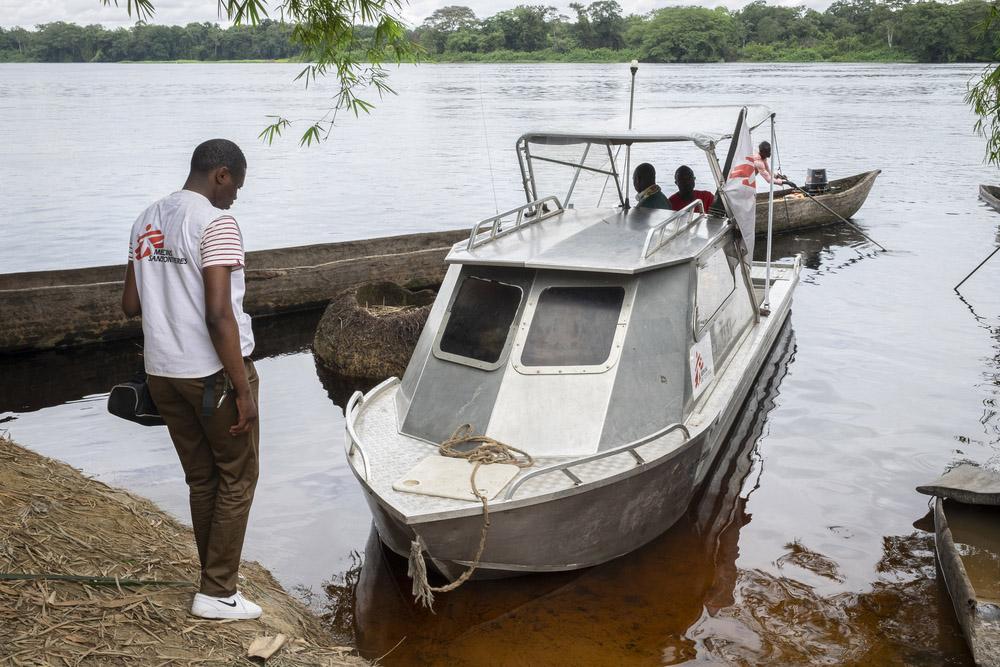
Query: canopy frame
706	141
526	160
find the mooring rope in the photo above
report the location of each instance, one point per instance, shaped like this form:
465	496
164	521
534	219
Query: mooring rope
486	452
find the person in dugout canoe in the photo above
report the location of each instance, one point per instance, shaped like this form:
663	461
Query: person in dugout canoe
647	192
760	164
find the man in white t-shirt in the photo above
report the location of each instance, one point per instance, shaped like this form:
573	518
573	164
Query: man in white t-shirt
186	278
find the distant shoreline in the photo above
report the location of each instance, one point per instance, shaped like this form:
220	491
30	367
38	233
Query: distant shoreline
518	59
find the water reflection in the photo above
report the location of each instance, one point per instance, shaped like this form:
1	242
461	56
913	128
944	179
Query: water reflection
636	609
904	619
990	383
340	387
825	249
40	380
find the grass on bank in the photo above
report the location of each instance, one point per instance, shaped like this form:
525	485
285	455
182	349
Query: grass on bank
53	520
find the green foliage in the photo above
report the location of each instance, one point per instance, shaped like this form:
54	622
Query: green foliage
551	55
443	24
350	39
984	98
688	35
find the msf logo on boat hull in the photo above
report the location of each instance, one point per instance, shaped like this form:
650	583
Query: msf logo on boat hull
702	365
699	370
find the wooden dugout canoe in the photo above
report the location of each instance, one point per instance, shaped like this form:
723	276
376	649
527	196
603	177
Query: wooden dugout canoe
991	195
967	542
846	196
65	308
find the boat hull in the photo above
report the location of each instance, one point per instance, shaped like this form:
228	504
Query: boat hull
980	624
990	194
66	308
574	531
847	197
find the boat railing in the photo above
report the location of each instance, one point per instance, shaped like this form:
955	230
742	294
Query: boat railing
499	225
660	236
629	448
353	443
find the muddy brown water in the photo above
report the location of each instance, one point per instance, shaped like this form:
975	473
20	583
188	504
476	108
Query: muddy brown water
976	532
808	545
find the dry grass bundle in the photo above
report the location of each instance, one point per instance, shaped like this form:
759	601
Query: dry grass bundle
53	520
370	331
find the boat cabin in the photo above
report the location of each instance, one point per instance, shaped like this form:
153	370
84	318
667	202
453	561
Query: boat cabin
568	331
560	332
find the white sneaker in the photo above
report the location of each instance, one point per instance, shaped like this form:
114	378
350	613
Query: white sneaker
236	606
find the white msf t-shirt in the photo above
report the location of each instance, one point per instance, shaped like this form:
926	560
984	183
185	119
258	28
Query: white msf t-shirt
171	242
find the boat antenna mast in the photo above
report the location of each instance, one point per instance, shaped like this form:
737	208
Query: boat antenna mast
765	308
633	67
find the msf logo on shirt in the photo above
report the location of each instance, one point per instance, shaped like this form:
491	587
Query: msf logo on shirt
150	244
147	242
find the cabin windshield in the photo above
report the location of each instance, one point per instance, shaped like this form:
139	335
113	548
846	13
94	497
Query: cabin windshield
573	326
479	320
716	281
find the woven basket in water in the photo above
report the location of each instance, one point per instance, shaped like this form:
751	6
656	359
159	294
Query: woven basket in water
370	331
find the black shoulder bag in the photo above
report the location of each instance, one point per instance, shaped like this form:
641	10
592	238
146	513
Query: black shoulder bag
131	401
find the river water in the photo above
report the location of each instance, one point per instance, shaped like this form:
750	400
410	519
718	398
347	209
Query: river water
808	545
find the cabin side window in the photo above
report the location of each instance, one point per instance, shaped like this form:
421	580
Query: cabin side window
573	326
479	320
716	281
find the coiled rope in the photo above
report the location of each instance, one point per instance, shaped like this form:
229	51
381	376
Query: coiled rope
485	452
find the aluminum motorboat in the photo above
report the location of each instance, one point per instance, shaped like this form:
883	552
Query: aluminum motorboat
615	345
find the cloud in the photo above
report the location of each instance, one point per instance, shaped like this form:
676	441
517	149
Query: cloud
181	12
87	12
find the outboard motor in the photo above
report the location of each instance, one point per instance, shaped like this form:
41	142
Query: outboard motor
816	182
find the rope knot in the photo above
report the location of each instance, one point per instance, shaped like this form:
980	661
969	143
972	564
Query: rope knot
485	452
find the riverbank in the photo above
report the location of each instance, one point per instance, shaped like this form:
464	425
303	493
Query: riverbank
54	520
759	54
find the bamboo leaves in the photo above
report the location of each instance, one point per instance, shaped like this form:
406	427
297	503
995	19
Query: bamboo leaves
352	40
143	9
984	98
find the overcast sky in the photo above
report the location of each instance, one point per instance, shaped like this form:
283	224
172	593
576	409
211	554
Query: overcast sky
27	13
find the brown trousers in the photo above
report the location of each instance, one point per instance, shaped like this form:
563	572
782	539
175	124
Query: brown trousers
220	470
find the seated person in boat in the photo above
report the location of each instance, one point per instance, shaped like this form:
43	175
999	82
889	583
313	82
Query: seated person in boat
760	164
684	180
647	192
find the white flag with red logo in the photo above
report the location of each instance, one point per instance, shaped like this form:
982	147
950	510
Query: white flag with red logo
741	186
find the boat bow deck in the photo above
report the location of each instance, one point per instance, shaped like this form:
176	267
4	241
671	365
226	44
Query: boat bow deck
380	456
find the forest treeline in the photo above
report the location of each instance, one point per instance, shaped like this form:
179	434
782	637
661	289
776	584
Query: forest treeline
849	30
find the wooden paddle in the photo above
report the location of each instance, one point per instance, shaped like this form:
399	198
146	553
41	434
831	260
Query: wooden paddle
837	215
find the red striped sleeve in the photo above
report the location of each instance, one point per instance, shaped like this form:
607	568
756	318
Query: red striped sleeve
222	243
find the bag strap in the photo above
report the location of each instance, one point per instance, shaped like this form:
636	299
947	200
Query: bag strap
208	394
